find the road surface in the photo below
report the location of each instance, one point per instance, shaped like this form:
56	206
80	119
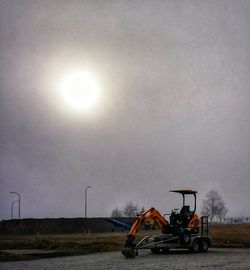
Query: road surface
215	258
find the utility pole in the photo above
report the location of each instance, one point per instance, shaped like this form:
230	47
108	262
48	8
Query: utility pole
86	195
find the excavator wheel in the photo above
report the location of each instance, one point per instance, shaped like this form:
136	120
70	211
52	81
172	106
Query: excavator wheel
195	246
204	245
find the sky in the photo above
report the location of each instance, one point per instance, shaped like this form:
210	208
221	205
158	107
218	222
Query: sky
174	111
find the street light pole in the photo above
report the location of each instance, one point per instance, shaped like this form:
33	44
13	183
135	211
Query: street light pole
19	204
12	211
86	193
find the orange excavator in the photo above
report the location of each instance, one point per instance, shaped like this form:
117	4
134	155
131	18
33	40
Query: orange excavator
183	230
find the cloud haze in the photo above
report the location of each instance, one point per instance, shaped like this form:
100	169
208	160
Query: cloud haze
175	111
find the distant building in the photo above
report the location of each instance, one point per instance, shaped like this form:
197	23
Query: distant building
236	220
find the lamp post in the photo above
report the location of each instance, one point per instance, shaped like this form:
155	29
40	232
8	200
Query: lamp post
19	204
86	193
12	208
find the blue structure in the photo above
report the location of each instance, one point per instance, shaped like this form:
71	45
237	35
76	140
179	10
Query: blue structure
118	223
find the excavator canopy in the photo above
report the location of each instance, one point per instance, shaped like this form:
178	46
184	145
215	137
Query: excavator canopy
184	191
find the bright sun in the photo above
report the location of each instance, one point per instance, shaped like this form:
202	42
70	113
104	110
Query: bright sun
81	90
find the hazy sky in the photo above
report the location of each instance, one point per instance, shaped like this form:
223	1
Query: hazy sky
174	113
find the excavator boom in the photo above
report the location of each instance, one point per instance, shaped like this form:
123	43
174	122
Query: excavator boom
149	214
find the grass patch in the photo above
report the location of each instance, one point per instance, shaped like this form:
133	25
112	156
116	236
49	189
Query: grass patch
230	235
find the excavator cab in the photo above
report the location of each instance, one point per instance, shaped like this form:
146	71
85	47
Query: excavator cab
186	218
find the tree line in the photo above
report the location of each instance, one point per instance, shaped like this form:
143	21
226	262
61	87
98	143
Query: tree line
130	209
213	206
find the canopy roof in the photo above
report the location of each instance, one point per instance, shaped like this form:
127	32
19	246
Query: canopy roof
184	191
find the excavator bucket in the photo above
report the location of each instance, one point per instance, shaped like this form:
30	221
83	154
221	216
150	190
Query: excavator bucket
129	248
128	252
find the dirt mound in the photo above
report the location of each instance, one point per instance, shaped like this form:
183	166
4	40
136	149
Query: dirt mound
56	226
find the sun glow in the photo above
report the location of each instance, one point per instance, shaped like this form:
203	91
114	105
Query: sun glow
81	90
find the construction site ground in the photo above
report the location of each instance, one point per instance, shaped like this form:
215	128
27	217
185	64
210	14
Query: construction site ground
30	247
216	258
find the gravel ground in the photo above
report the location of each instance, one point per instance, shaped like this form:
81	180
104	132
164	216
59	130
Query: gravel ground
215	258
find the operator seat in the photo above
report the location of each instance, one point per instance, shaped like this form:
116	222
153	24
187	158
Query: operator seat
186	214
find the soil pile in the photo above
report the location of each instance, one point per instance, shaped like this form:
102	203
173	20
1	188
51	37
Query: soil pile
57	226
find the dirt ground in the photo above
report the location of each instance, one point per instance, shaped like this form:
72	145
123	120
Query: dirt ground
216	258
29	247
230	234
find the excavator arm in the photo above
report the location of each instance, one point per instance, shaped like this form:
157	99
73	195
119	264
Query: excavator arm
149	214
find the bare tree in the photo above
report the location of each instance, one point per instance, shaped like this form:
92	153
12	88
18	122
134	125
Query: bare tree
142	210
213	206
130	209
221	210
116	213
